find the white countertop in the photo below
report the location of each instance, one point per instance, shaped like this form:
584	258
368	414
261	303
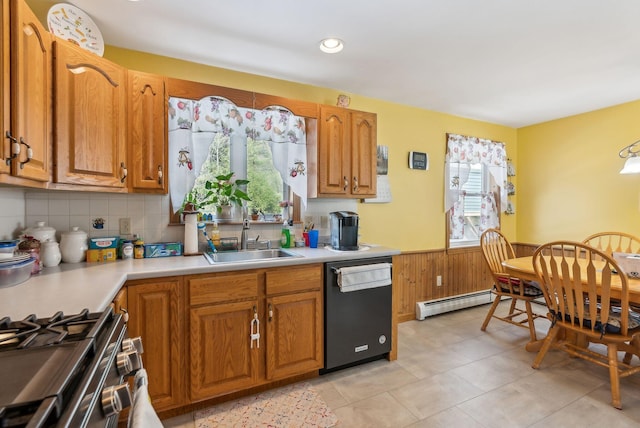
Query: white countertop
72	287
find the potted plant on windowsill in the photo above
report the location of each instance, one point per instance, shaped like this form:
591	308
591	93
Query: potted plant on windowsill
223	193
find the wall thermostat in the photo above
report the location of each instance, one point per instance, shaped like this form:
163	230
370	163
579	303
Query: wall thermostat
418	160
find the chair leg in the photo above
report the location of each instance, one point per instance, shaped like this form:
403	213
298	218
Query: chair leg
628	356
494	305
546	345
532	326
612	351
512	307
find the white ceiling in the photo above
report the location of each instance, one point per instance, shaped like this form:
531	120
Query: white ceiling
510	62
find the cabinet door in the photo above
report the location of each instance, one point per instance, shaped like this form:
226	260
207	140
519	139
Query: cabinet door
120	302
5	87
223	358
90	125
147	133
156	310
31	93
333	152
294	334
363	154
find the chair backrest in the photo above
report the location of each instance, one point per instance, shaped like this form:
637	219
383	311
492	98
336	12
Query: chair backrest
495	249
576	280
610	242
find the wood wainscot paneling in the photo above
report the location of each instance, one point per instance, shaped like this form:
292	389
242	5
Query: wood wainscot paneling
415	276
463	270
524	250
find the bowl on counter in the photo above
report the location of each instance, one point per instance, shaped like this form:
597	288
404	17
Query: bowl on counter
8	246
15	273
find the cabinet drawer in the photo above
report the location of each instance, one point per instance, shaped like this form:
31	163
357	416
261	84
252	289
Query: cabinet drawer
223	288
292	279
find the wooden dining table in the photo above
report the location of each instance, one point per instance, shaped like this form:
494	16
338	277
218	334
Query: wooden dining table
522	267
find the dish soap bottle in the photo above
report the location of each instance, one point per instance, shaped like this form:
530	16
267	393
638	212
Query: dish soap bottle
285	239
215	235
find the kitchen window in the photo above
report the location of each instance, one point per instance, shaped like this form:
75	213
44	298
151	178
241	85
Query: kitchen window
475	188
213	136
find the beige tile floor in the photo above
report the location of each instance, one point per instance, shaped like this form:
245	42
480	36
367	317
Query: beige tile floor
451	374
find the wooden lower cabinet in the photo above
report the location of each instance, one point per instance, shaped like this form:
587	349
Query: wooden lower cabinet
226	308
156	314
222	358
295	321
197	331
294	334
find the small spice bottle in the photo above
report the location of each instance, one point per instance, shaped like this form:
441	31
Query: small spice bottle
138	249
127	250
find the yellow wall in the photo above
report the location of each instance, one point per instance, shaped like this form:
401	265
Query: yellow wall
414	220
569	181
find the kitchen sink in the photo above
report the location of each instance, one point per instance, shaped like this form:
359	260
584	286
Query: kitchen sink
247	255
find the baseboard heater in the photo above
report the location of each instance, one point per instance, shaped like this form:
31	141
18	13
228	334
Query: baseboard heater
439	306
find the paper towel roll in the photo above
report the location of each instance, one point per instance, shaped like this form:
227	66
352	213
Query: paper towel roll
190	233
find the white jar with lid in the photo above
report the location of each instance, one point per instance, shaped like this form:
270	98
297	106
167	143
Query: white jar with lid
73	245
50	253
41	232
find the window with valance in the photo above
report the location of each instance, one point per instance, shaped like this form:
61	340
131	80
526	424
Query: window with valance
213	136
475	187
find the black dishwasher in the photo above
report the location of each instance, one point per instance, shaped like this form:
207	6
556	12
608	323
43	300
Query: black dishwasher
357	323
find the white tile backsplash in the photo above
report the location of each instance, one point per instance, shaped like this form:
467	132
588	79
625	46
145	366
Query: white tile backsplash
149	214
12	214
59	207
118	207
79	207
98	207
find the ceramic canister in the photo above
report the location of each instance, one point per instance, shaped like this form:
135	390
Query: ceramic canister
41	232
50	253
73	245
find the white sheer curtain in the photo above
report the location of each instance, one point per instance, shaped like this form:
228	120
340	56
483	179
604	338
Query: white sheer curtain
194	123
462	152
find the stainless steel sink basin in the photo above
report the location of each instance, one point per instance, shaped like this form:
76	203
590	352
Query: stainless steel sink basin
247	255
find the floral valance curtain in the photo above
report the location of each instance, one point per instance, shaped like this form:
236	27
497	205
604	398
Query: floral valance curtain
462	152
193	122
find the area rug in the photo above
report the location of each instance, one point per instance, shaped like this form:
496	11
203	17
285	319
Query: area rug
292	406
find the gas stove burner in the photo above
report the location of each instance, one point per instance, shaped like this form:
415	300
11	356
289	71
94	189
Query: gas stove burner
34	332
60	370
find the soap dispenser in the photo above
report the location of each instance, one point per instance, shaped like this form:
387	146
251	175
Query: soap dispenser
285	239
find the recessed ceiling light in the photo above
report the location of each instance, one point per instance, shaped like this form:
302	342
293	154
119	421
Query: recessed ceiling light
331	45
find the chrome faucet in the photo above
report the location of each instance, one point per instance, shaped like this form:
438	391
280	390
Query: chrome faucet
245	231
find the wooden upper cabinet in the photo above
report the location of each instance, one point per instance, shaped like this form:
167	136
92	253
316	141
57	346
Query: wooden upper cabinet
346	153
5	88
333	152
147	137
90	119
30	93
363	154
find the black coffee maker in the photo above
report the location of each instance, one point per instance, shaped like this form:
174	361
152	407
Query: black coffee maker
344	230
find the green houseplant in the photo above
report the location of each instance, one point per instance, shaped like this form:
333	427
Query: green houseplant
223	192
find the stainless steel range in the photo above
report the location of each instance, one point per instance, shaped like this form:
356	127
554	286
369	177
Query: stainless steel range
66	371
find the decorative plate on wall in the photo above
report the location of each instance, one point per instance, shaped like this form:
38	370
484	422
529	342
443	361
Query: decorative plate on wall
70	23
